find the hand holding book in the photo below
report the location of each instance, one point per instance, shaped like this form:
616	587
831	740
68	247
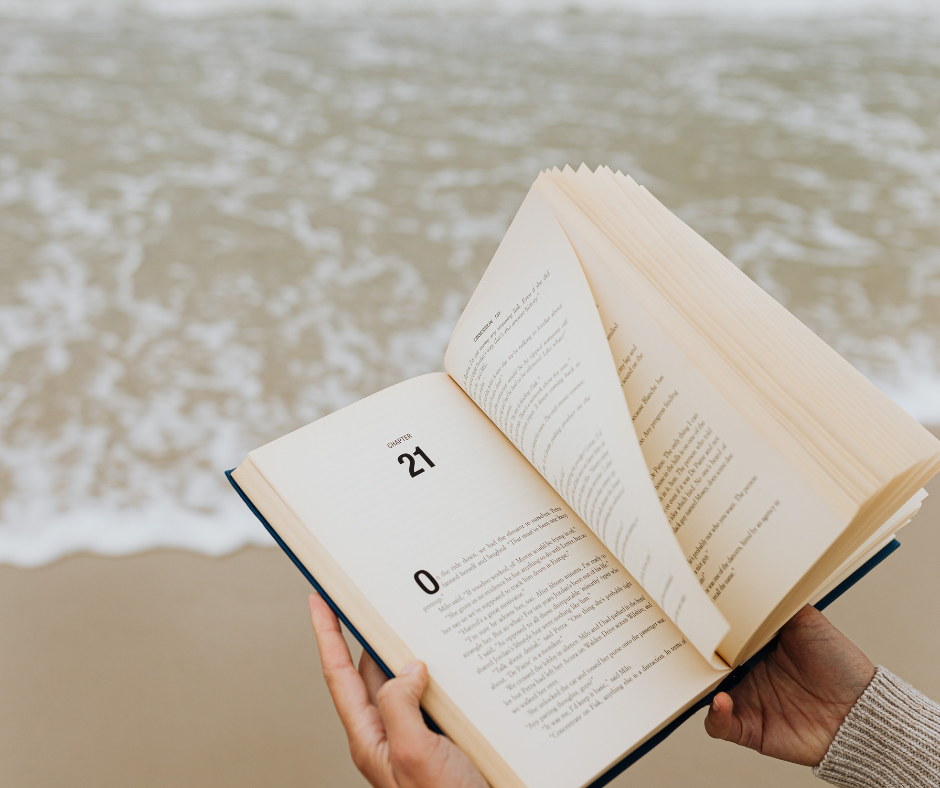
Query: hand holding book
790	706
388	740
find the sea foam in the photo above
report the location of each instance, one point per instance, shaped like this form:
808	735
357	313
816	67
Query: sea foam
219	228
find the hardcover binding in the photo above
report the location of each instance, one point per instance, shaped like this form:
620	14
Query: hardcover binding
732	680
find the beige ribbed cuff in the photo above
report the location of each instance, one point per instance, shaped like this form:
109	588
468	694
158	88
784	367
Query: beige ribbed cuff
891	738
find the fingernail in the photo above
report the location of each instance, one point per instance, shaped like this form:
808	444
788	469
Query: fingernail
715	706
409	668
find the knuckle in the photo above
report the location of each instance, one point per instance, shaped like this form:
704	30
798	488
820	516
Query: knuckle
387	692
332	681
360	757
408	759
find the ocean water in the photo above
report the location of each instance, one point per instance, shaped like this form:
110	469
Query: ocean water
221	221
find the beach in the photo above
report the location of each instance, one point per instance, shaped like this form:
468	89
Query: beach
170	668
221	220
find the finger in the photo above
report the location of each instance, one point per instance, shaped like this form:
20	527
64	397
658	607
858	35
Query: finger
360	718
373	676
721	723
345	684
410	741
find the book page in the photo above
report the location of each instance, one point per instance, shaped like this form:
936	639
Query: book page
525	620
531	353
750	527
860	452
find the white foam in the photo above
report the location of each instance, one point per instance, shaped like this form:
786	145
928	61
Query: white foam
114	531
286	215
915	386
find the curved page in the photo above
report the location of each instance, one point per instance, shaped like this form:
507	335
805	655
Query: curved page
530	350
748	525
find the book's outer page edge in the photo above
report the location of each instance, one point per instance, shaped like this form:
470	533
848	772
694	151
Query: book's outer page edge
732	680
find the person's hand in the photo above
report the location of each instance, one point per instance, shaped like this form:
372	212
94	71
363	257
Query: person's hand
389	742
790	706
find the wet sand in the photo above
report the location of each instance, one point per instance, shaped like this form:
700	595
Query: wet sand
168	668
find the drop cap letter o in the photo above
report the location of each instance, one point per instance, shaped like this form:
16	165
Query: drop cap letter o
435	587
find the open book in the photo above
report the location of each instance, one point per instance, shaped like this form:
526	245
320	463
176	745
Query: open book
636	469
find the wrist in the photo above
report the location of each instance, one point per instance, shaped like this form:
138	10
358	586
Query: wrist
890	737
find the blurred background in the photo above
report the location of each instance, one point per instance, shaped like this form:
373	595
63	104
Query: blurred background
223	219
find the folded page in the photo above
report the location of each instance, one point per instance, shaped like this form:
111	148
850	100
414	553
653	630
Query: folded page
531	352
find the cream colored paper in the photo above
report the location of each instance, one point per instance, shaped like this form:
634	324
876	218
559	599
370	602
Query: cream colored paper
537	633
749	526
531	352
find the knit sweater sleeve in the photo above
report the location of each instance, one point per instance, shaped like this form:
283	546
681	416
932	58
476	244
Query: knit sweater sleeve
891	738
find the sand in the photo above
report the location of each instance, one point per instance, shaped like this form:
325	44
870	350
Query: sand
171	669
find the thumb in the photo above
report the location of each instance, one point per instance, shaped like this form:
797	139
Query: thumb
410	741
721	722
